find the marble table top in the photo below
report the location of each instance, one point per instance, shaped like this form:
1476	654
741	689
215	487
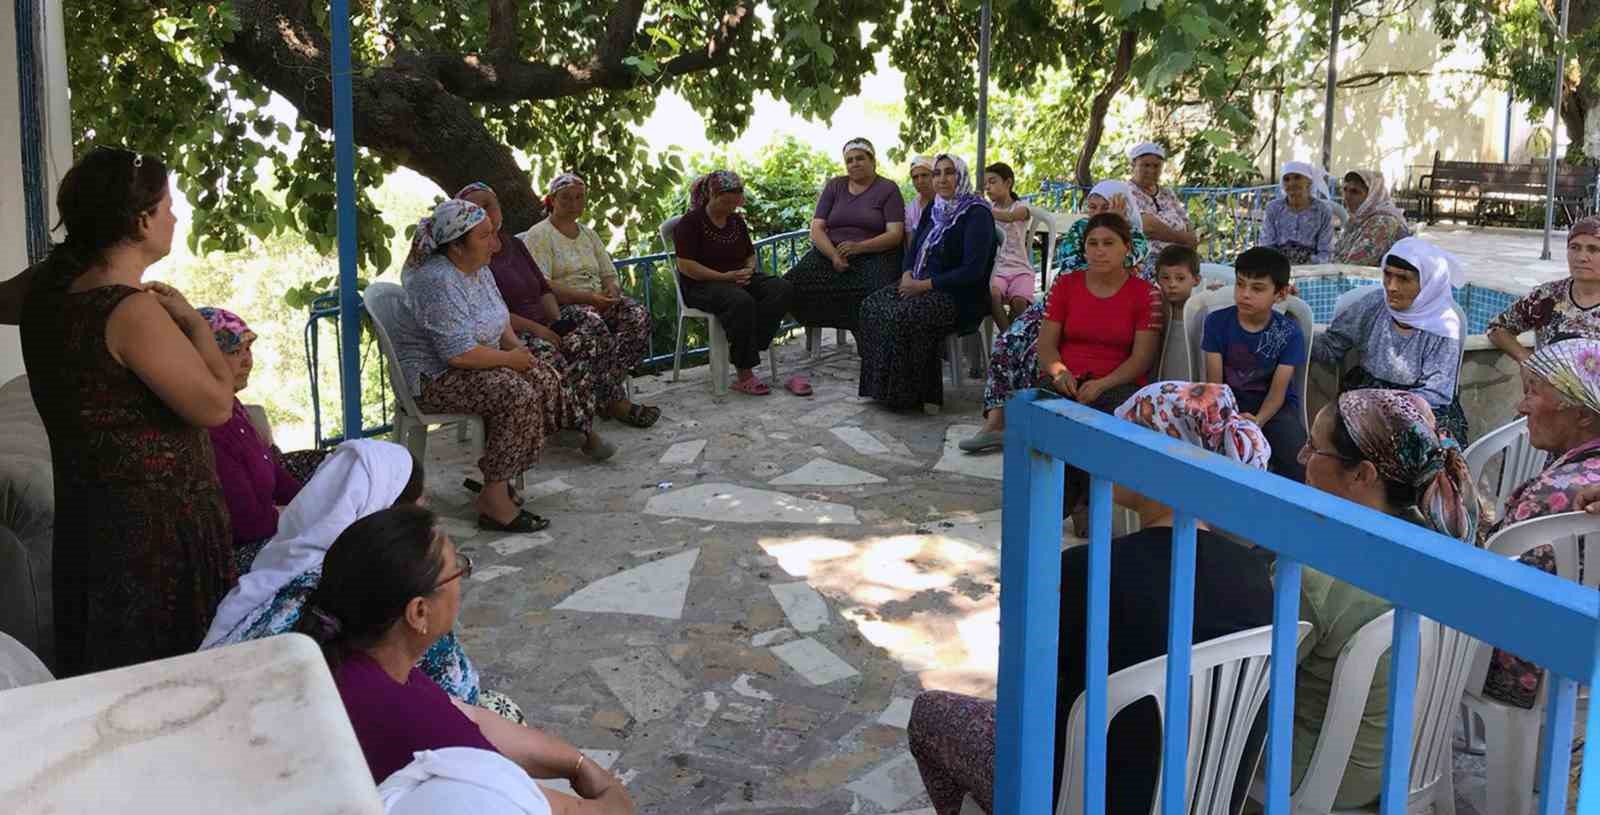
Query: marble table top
252	728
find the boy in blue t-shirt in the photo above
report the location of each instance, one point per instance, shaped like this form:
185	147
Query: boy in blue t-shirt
1255	351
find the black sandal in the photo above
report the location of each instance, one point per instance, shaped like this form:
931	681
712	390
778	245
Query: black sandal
640	416
524	522
472	485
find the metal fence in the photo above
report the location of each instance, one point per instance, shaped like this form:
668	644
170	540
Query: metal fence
1536	615
1228	219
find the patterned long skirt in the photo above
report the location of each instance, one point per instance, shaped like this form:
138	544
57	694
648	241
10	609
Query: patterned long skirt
1014	358
519	411
952	738
614	342
827	298
577	376
1450	419
900	339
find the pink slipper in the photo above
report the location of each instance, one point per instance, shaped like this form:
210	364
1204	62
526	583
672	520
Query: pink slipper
798	385
750	387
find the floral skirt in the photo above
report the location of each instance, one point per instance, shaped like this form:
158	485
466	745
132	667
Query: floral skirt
610	343
1014	358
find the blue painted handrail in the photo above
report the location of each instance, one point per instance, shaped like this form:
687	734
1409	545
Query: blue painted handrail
1555	623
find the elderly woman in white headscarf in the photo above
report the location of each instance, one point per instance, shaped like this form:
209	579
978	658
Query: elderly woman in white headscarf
1375	222
459	354
1160	214
944	289
1298	223
922	182
1014	357
1408	332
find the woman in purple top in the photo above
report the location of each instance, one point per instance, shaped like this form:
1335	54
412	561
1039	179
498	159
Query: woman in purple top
856	235
391	587
256	477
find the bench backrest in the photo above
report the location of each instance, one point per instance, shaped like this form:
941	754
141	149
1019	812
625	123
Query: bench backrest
1496	177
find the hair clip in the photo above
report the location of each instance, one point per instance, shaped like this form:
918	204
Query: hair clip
138	161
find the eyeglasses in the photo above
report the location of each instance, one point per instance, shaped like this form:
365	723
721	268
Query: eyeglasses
463	570
1307	451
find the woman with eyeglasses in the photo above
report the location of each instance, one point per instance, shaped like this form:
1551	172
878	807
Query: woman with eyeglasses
1380	449
391	587
1563	309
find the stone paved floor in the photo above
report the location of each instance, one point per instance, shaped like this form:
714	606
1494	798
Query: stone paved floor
735	611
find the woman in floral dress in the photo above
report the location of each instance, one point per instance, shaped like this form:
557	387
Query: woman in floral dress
1375	222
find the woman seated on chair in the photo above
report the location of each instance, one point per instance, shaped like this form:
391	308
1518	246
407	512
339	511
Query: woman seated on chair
391	587
1561	399
952	736
459	354
943	289
1014	357
603	326
856	234
1408	332
1375	223
1161	215
922	183
717	273
1298	223
359	478
1561	309
1380	449
256	477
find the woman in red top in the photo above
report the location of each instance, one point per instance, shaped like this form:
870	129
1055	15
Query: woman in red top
1100	334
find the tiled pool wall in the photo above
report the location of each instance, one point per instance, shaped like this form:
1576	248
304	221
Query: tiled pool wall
1480	304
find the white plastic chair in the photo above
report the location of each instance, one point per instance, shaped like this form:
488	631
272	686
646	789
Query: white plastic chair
384	303
719	338
1444	656
1053	224
1200	306
1520	462
19	666
1228	681
1511	733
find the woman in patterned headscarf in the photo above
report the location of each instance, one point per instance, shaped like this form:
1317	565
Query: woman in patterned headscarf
952	736
856	233
458	354
1375	222
1380	449
717	270
943	289
1561	398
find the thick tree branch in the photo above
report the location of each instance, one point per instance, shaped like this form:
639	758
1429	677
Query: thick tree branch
1126	44
503	24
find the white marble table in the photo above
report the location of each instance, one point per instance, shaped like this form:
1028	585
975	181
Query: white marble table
252	728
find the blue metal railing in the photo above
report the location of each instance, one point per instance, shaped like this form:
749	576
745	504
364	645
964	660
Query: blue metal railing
1538	616
1227	218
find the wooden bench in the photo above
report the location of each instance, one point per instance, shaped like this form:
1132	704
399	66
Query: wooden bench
1504	194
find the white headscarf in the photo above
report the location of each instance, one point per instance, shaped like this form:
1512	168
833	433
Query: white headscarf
922	161
459	780
1319	179
1106	189
1377	201
358	479
1148	148
1434	309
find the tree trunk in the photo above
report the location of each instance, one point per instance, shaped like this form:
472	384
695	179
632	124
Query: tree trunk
1102	103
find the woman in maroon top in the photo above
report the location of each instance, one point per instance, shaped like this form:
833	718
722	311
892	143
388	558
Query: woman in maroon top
391	587
717	269
856	235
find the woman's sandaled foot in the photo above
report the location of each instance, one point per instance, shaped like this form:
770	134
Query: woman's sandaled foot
523	522
983	440
640	416
598	448
799	385
750	387
473	485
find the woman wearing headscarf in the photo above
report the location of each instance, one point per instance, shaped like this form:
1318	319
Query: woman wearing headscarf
945	285
1162	216
1561	399
952	736
856	233
608	327
717	268
922	182
459	354
1408	332
1298	223
1561	309
1380	449
256	477
1014	356
1375	223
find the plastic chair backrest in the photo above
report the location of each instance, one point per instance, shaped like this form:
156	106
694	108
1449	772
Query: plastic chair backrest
1444	656
19	666
1519	461
384	303
1054	225
667	228
1229	678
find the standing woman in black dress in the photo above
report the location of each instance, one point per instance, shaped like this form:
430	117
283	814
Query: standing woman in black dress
127	377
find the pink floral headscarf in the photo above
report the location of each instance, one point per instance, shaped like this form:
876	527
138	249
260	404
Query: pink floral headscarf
229	329
707	187
1205	415
1572	367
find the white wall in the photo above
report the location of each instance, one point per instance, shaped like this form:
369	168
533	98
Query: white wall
58	154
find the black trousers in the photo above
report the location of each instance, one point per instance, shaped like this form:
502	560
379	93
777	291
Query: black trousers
750	314
1286	433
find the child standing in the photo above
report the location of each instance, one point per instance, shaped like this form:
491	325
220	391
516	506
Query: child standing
1011	288
1177	273
1255	351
